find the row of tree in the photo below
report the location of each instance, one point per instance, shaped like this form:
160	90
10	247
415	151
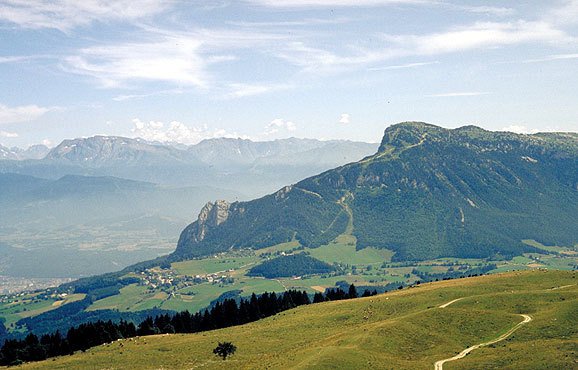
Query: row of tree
223	314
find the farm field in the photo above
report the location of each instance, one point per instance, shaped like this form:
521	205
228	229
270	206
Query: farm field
195	284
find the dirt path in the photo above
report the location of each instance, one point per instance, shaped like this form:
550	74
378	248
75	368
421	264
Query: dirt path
450	302
439	364
562	287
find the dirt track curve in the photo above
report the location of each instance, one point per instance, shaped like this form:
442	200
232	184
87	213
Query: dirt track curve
440	364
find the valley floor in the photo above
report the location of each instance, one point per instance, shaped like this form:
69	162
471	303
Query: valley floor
411	328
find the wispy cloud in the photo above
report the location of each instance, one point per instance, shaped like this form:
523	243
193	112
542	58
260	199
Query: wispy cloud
457	94
476	36
24	113
13	59
240	90
479	35
403	66
551	58
302	4
489	10
174	60
173	57
299	4
566	13
142	96
65	14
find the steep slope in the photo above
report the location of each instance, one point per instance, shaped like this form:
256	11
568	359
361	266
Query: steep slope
428	192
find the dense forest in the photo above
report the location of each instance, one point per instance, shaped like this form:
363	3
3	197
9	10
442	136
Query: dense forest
292	265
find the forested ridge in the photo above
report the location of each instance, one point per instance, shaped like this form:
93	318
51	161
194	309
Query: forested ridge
427	193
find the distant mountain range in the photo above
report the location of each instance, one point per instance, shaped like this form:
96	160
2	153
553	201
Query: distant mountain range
252	168
98	204
428	192
33	152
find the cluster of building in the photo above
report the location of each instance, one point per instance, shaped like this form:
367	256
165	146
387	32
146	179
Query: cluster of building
168	279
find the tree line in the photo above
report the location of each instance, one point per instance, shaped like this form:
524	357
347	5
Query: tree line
229	312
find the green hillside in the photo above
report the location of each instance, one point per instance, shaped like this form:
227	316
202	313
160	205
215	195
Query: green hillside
405	329
428	192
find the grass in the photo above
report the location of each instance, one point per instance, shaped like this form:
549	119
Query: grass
129	297
283	247
236	265
30	305
212	265
402	330
343	250
552	248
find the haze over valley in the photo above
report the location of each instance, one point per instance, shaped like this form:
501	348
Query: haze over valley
291	184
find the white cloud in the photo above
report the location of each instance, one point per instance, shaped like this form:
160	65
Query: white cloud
477	36
519	129
142	96
175	131
333	3
403	66
279	125
551	58
300	4
489	10
480	35
176	58
565	14
239	90
305	22
24	113
173	60
8	135
67	14
345	118
457	94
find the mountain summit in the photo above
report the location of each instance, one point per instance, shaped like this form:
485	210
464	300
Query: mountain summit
428	192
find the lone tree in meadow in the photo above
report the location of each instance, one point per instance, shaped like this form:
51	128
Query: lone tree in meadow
225	349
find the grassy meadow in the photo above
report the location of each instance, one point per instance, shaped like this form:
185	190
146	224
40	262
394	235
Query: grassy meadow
404	329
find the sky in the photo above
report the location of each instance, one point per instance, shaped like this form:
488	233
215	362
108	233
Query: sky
185	71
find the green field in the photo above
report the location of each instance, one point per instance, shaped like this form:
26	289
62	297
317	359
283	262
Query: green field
343	250
212	265
366	267
403	330
28	305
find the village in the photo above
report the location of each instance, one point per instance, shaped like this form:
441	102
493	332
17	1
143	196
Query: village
169	281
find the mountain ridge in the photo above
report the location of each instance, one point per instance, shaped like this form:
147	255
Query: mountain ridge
428	192
252	168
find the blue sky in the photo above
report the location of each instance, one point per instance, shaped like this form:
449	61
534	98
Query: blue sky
266	69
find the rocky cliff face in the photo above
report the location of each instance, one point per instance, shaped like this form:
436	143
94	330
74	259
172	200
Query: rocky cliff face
211	216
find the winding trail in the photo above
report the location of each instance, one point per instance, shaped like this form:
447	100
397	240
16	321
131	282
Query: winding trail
440	364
